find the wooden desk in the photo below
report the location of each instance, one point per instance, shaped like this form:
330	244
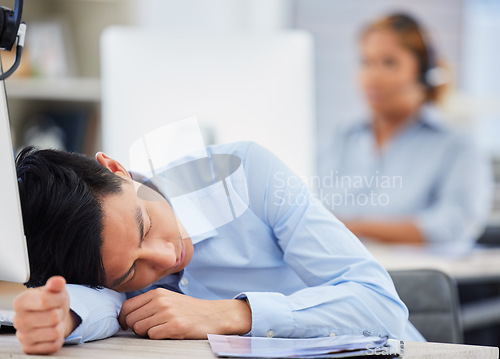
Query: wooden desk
8	291
127	345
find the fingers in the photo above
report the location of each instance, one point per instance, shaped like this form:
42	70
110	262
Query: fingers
55	284
43	340
174	329
40	299
162	314
43	348
41	335
40	319
140	314
147	317
160	332
141	327
132	304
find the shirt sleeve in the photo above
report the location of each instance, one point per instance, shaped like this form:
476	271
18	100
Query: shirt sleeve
348	291
98	310
461	202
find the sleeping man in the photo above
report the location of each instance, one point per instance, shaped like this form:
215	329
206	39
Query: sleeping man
105	253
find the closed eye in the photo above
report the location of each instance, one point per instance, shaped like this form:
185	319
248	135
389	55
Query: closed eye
133	266
150	225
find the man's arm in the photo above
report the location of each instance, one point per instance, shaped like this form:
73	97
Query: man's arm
49	316
43	317
348	291
98	310
161	314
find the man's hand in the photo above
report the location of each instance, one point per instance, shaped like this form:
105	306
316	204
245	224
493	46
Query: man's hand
162	314
43	318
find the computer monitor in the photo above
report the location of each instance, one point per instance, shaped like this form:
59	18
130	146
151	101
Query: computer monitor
240	86
14	264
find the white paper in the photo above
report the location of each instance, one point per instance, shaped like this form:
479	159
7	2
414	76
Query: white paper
328	347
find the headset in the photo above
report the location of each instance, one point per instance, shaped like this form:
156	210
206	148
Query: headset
430	74
12	30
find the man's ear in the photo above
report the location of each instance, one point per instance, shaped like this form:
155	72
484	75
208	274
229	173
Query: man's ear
112	165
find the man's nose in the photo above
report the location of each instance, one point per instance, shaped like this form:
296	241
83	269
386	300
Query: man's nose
159	253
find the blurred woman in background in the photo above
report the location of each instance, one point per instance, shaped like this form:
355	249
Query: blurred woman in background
402	176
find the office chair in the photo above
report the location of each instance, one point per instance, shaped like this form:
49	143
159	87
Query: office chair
432	300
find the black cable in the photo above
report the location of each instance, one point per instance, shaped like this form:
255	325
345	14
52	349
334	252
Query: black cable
17	62
21	34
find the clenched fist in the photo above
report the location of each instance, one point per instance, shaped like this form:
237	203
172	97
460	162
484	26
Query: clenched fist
161	314
43	318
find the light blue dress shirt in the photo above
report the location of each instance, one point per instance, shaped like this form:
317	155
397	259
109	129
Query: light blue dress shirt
304	274
427	173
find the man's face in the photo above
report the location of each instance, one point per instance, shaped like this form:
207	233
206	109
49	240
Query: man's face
142	238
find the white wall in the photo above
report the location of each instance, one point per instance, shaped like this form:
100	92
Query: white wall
481	70
225	15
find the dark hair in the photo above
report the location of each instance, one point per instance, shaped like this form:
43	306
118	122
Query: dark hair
415	38
61	194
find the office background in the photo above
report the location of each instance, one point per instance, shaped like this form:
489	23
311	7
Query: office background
68	71
58	85
56	96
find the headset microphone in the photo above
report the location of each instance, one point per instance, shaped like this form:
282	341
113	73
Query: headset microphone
431	74
12	30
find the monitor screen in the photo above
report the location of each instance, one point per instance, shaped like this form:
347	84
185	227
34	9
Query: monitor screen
14	265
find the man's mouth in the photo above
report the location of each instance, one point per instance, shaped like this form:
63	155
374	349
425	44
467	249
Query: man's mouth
182	255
